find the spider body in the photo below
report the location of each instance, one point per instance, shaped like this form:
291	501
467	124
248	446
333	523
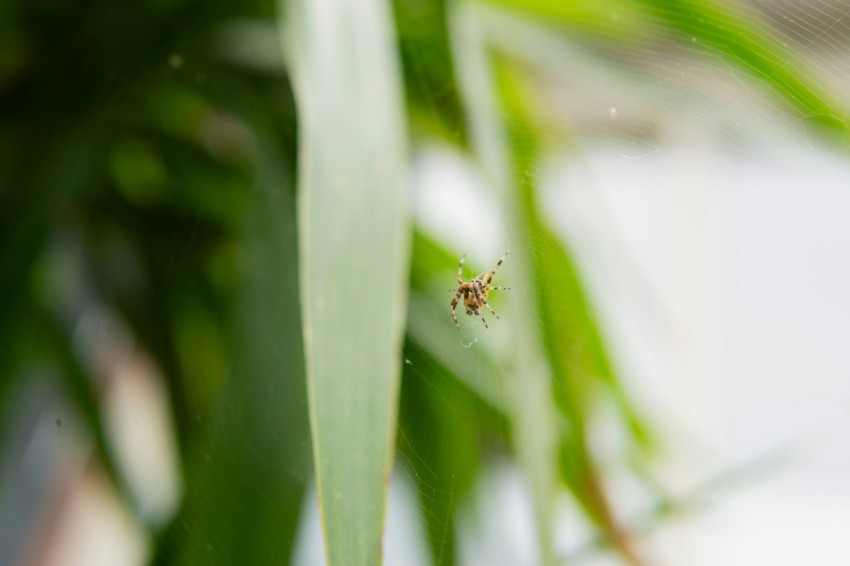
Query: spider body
474	292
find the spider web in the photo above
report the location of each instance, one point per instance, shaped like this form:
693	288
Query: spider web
707	220
677	181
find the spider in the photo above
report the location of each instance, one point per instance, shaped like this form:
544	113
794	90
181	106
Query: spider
475	291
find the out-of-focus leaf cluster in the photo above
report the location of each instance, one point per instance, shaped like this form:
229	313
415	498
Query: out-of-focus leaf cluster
147	156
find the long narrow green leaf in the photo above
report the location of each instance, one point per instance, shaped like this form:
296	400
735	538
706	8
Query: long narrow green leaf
573	343
354	246
530	406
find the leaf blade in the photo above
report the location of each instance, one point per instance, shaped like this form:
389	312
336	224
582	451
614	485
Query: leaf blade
527	380
354	250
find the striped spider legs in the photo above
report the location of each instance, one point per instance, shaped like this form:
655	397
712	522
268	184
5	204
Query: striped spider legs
474	292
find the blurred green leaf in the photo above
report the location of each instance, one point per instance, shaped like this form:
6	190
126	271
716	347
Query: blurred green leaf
138	170
453	402
354	240
715	26
568	331
430	324
571	336
527	381
441	440
247	477
618	21
757	51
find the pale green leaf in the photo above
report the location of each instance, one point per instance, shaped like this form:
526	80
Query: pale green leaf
354	255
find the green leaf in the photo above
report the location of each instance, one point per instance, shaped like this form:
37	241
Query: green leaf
354	253
617	21
441	427
757	51
710	25
452	399
572	341
559	350
430	324
527	379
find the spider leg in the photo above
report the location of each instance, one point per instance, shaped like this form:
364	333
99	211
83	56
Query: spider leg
483	300
484	320
498	289
495	269
454	306
460	269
